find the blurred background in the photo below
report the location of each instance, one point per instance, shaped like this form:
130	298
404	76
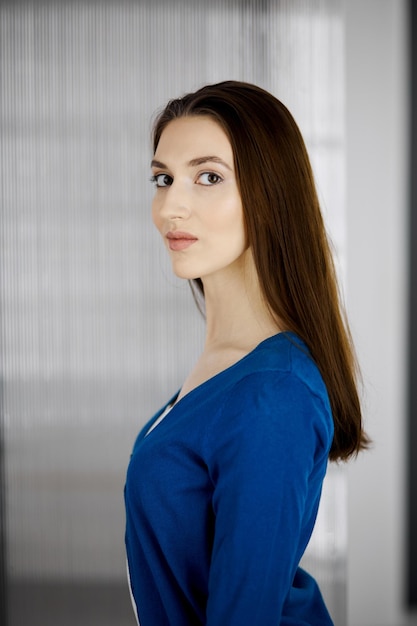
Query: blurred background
96	333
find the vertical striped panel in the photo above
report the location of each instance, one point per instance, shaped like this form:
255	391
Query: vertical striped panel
95	331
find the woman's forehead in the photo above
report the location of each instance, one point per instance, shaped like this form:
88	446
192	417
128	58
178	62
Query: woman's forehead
194	137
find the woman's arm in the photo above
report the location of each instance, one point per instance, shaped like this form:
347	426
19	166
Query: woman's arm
269	456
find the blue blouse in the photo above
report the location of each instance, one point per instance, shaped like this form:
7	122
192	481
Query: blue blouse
222	496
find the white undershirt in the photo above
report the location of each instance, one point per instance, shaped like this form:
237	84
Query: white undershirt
135	609
160	418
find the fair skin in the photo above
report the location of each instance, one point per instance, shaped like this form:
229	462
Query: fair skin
198	211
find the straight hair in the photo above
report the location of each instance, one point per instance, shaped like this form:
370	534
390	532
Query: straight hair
286	232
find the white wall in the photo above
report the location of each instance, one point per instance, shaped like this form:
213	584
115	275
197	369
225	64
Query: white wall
376	108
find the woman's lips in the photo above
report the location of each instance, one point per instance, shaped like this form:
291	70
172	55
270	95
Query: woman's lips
179	240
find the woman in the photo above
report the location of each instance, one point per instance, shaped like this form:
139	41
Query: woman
224	482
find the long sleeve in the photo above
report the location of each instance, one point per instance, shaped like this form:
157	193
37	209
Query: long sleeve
267	472
221	496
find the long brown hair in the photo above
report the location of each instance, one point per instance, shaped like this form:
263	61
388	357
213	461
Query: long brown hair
286	232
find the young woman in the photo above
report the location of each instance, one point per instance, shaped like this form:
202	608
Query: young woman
224	482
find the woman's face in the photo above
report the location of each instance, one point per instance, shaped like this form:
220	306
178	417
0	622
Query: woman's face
197	206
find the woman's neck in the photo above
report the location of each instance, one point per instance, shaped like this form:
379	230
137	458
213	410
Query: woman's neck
237	315
237	320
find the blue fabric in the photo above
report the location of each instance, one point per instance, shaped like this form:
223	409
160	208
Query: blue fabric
222	495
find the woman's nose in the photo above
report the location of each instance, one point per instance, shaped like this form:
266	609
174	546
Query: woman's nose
174	203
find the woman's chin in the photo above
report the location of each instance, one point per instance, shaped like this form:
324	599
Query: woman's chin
185	275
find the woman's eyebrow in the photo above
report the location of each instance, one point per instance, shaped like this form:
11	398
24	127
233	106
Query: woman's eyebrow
206	159
155	163
193	162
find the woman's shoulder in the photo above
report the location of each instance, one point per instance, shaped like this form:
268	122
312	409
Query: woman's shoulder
280	377
277	393
283	356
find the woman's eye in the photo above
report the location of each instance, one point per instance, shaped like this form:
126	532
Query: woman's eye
162	180
209	178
